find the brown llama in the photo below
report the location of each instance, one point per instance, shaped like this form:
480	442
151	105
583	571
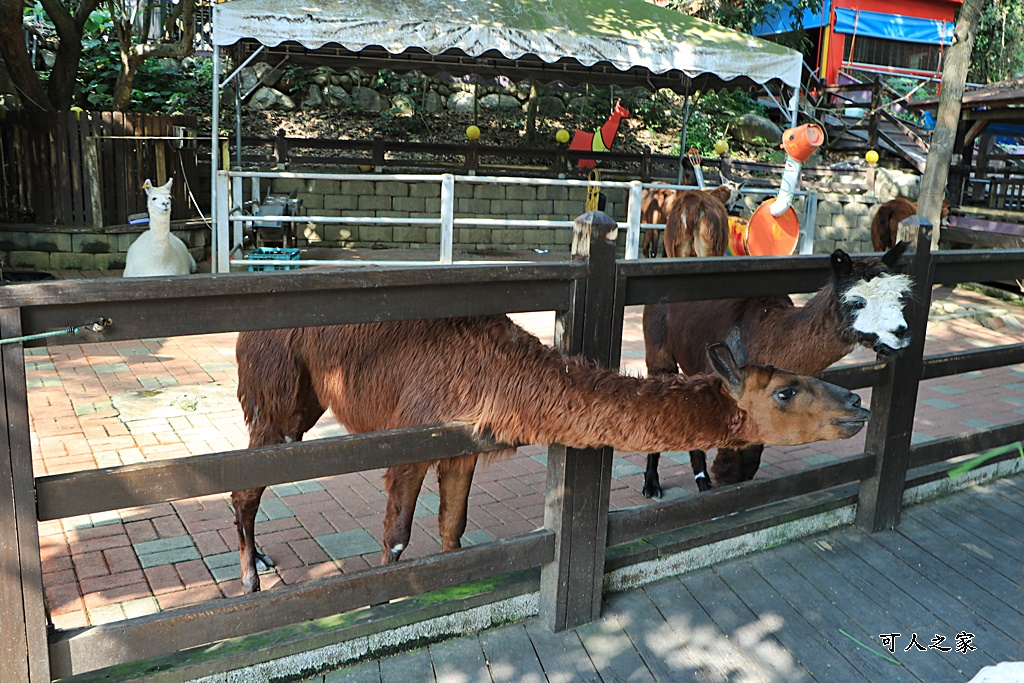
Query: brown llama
886	223
491	373
862	304
696	221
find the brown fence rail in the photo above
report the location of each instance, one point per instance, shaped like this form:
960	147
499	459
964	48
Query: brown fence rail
87	169
588	295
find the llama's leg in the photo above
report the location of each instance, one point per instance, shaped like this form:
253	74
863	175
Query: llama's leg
750	461
402	486
699	463
728	467
246	504
652	482
454	479
660	361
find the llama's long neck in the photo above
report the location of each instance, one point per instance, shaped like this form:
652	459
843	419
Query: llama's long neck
807	339
554	399
160	224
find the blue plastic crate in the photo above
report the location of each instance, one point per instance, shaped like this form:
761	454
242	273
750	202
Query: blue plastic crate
276	253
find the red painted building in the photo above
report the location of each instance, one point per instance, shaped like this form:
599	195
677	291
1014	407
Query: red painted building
888	36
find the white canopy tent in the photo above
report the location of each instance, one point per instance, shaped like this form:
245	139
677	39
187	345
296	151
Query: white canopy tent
629	43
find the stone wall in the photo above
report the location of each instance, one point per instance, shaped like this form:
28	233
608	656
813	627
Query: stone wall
66	248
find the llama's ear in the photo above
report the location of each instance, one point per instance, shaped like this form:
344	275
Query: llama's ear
890	257
167	185
735	343
725	365
842	264
147	186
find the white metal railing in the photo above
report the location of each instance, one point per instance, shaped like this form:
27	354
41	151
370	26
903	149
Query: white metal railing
230	217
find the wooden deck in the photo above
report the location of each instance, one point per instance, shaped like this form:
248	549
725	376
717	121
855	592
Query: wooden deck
812	610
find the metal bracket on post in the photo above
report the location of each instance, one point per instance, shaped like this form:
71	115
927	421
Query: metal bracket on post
579	480
893	401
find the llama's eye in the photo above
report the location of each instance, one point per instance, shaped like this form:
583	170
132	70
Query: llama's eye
858	303
785	394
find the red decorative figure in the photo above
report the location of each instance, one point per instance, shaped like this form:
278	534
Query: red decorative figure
600	141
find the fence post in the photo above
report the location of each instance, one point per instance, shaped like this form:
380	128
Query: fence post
221	251
447	216
636	195
92	171
24	655
893	401
579	480
281	150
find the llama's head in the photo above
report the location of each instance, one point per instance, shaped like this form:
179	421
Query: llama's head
734	192
872	297
158	199
782	408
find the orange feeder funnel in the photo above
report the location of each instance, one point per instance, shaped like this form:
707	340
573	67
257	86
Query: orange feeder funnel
769	235
800	142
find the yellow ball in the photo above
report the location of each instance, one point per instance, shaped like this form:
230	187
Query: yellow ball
473	133
562	136
365	168
721	147
871	156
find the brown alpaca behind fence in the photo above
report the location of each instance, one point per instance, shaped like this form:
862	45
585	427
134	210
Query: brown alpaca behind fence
491	373
886	223
862	305
696	221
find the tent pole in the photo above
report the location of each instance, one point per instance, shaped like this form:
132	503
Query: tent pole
214	152
682	138
794	107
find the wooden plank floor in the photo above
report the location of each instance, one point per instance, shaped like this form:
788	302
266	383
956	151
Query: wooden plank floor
811	610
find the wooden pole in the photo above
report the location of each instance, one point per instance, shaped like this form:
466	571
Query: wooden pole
954	81
92	171
894	399
579	480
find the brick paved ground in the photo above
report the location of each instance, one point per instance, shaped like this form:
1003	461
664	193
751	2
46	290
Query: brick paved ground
100	405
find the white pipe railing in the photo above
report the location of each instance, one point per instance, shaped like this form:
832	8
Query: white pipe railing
226	215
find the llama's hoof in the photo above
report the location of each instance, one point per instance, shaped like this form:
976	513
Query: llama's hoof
703	482
652	489
263	562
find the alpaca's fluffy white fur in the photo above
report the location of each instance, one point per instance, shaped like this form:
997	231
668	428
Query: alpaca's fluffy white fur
157	251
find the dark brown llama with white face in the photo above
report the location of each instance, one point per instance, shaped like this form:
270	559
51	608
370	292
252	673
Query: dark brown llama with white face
696	221
862	304
491	373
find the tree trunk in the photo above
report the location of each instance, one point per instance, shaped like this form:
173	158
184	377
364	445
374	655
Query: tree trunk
19	64
531	114
61	87
954	80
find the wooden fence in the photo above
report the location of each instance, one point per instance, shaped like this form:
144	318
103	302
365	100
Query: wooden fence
88	169
581	538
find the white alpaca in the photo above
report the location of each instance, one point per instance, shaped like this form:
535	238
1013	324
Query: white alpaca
157	251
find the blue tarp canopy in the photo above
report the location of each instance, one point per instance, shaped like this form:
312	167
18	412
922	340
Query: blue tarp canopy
893	27
810	19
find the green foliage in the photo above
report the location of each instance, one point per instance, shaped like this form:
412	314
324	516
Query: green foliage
161	85
711	113
998	42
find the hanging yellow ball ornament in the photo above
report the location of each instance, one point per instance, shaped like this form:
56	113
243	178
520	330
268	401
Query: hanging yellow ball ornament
473	133
721	147
562	136
365	168
871	156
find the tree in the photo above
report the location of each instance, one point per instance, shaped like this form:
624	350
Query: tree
130	16
954	81
69	19
999	42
